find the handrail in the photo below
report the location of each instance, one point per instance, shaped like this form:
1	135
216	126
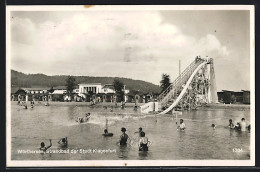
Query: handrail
184	89
189	70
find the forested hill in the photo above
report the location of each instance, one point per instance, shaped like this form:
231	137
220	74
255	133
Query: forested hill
20	79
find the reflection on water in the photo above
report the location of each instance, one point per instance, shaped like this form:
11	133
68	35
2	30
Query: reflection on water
198	141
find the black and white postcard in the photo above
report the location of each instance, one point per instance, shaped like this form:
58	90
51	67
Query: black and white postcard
130	85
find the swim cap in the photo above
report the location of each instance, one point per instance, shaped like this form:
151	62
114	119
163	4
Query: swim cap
123	129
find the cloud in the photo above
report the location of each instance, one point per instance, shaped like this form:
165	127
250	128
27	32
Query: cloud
106	44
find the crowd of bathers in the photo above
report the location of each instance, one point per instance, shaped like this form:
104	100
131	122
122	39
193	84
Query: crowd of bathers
240	126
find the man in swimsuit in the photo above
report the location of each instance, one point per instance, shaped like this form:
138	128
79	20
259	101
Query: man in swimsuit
123	137
43	147
143	142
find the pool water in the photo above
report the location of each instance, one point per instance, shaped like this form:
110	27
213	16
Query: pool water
199	141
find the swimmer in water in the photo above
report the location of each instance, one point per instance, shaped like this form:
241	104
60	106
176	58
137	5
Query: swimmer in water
87	117
124	137
249	127
105	131
139	131
43	147
143	142
213	126
238	126
231	125
243	124
25	106
63	141
182	125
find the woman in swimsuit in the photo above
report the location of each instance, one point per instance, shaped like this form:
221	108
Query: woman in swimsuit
143	142
123	137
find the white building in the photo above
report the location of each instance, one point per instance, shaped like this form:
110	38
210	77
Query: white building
94	87
98	88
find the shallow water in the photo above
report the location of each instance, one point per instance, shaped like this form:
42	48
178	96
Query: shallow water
199	141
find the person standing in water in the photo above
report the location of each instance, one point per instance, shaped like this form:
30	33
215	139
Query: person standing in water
231	125
123	137
143	142
182	125
43	147
243	124
139	132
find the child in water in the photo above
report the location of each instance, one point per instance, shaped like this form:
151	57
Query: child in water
182	125
231	125
63	141
143	142
43	147
238	127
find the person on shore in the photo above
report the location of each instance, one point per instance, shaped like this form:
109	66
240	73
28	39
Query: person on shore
243	124
182	125
143	142
43	147
123	137
231	125
63	141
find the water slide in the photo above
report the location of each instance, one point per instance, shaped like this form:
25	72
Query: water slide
183	90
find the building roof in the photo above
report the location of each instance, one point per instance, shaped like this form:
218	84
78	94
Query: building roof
110	86
89	84
36	89
58	92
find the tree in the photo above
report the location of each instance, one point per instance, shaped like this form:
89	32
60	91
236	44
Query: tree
165	82
119	88
70	84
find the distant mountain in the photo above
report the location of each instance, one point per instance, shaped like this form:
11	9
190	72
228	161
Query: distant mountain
20	79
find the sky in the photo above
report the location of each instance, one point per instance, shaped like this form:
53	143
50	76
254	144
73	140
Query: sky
139	45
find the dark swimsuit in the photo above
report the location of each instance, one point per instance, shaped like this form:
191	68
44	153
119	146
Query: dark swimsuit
123	139
143	147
